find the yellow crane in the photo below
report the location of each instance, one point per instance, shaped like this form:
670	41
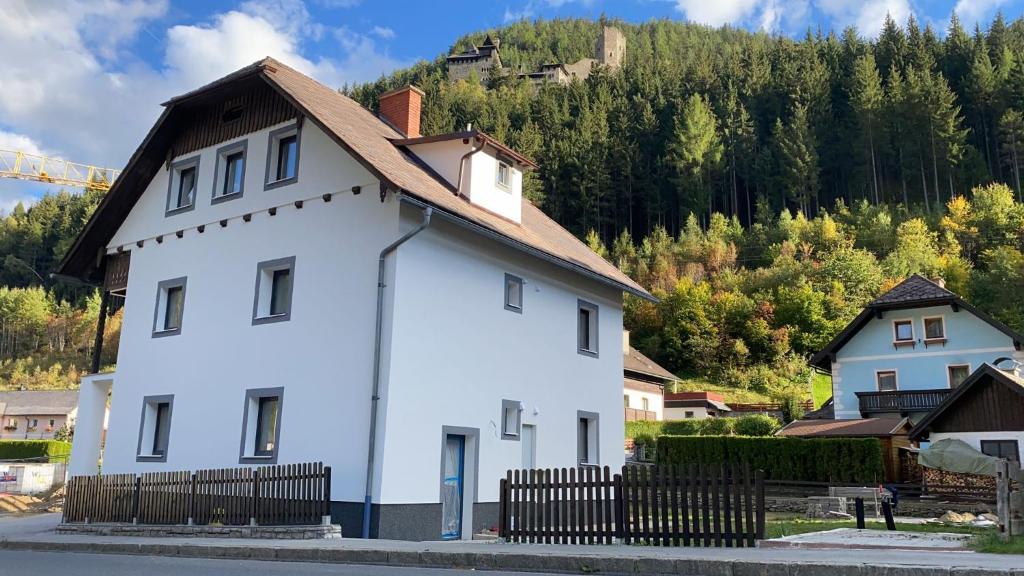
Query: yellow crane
37	168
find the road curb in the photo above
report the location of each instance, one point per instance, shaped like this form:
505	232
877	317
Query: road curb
519	562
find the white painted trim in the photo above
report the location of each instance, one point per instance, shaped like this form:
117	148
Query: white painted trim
913	331
1009	349
949	381
895	376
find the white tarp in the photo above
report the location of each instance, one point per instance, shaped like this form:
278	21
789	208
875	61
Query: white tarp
954	455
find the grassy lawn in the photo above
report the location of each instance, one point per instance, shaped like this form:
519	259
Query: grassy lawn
992	544
821	388
692	383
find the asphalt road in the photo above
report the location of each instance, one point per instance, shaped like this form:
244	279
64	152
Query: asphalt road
17	563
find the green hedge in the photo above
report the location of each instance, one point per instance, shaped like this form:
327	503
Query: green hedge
50	450
748	425
809	460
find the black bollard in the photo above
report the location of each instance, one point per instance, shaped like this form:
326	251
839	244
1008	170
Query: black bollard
859	505
890	523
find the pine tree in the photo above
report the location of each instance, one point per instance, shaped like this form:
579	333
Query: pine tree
798	159
694	152
1011	132
866	97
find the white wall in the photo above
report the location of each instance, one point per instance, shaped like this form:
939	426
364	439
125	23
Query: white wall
699	413
322	356
655	401
484	190
458	353
974	438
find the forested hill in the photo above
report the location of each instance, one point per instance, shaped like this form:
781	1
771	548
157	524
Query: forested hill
705	119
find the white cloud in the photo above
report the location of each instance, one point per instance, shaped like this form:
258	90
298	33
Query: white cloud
20	143
383	32
71	83
867	15
720	12
529	9
972	12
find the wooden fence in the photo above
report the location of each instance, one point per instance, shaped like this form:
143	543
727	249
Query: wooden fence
292	494
694	505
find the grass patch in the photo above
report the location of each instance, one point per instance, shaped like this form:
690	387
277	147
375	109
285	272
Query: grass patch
693	383
821	388
793	526
990	543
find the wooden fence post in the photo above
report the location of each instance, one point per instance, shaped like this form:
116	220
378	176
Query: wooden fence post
759	483
619	507
254	512
1003	499
192	501
327	496
136	499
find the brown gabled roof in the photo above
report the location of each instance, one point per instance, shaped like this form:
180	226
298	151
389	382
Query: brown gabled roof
855	427
476	135
635	361
914	292
369	140
37	402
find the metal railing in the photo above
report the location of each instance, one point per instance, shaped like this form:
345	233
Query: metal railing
901	401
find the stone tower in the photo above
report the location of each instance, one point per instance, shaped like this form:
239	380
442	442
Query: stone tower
611	47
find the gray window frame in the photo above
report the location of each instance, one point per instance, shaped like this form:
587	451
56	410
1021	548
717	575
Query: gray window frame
161	288
175	171
1013	441
594	419
220	163
271	265
595	333
522	294
517	406
272	140
146	402
255	394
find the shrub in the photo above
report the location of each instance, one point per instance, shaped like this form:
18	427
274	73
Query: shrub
716	426
681	427
809	460
644	428
756	425
49	450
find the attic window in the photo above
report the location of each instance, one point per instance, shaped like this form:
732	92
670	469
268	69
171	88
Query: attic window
504	175
232	114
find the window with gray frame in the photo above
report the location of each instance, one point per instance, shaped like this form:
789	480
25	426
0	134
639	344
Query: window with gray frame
261	425
513	293
273	299
283	156
511	419
229	180
587	328
170	307
504	176
587	438
155	428
181	186
1006	449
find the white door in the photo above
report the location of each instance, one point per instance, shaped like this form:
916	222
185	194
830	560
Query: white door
529	442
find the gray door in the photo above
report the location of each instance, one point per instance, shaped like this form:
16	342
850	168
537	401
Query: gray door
529	442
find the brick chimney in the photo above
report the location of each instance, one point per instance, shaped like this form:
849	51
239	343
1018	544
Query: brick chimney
401	109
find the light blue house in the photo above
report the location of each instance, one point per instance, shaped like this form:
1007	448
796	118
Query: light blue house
904	353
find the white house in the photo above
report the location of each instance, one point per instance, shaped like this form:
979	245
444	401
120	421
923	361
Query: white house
305	281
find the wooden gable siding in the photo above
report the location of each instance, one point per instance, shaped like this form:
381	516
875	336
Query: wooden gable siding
115	276
988	407
261	106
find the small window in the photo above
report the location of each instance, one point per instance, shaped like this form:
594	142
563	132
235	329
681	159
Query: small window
587	438
957	374
511	419
273	299
170	307
513	293
645	403
229	182
587	328
886	380
504	177
181	187
283	157
155	428
1006	449
903	330
52	422
261	425
688	414
625	400
934	328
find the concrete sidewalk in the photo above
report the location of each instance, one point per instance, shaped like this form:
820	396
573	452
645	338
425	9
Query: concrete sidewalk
34	534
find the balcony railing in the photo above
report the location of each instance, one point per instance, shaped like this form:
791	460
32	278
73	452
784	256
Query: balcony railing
901	401
634	414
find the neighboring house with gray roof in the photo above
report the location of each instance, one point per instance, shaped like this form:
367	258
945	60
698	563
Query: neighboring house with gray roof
36	414
429	327
644	382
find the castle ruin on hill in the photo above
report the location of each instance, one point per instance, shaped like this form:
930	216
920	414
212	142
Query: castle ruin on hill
610	52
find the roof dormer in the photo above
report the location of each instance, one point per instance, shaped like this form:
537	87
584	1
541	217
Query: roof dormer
476	167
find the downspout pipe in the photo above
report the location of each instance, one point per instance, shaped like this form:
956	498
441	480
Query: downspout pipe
462	163
428	211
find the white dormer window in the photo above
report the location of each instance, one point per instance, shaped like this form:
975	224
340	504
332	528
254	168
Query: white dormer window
181	187
504	176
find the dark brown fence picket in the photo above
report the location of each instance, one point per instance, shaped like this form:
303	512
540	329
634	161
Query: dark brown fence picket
687	505
293	494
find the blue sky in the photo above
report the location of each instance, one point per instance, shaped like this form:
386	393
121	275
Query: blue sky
83	79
